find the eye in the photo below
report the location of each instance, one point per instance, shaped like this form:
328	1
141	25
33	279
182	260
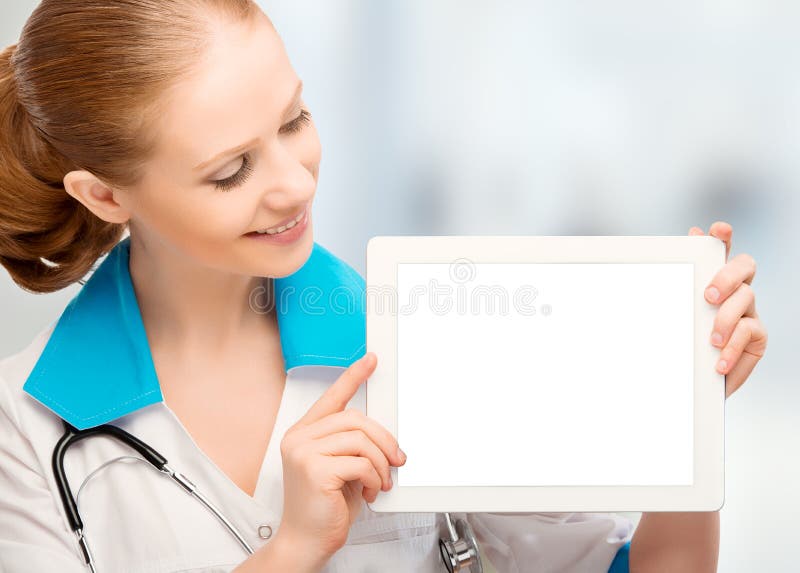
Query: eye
241	176
298	123
237	178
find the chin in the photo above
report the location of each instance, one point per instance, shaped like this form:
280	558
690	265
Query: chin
294	257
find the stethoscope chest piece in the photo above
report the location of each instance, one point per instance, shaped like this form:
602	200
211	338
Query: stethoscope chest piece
460	552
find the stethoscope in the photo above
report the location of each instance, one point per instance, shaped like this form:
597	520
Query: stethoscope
459	553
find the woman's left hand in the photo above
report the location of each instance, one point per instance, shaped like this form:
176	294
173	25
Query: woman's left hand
742	336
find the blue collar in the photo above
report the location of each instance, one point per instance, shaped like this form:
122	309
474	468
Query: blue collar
97	366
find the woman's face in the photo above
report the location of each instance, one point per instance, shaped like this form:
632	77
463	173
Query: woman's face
237	153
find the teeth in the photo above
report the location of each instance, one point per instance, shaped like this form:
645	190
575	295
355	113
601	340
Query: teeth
282	228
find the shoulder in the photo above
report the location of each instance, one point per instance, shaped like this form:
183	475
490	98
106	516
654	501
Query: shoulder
19	409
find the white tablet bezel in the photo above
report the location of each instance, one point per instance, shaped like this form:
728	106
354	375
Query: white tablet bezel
707	254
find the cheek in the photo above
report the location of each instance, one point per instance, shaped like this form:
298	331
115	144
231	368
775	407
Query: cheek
202	218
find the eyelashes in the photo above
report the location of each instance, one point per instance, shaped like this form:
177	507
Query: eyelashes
244	172
237	178
299	122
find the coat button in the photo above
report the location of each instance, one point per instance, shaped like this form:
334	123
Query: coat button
264	531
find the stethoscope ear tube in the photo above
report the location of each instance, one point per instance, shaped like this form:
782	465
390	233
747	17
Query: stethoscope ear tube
73	435
459	552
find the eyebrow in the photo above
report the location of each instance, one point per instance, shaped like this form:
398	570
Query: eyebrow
253	141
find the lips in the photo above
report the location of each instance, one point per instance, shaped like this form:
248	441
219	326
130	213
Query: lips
287	237
282	223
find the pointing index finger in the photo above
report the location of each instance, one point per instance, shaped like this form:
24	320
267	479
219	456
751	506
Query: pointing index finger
340	392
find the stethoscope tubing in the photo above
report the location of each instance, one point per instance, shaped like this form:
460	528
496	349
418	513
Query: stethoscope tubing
72	435
460	552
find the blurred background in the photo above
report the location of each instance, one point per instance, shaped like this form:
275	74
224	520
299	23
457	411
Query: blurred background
565	118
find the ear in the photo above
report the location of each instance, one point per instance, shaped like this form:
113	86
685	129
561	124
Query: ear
99	198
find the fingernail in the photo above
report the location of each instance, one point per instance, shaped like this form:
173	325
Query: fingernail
401	455
712	294
716	339
391	483
722	365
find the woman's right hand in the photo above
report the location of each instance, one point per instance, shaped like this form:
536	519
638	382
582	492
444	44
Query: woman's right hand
332	458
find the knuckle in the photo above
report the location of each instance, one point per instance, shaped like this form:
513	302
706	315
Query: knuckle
361	441
340	402
291	448
363	438
377	480
719	325
746	259
748	293
353	416
286	442
366	465
288	455
292	454
740	332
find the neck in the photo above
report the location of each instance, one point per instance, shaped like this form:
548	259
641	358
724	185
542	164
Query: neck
186	304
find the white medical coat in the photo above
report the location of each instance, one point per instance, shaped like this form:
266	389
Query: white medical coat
138	520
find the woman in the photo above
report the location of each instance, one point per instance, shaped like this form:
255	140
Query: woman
182	122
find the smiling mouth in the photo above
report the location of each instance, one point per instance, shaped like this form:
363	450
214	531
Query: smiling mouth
284	226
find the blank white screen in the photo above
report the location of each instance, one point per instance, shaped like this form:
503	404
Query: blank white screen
596	392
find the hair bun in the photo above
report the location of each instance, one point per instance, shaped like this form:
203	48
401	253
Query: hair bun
71	100
48	240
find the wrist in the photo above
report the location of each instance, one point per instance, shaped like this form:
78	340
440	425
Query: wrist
297	553
680	541
284	552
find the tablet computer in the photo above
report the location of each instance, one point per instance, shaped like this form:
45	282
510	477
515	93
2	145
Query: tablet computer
547	373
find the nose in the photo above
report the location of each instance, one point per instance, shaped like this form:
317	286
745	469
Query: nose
289	177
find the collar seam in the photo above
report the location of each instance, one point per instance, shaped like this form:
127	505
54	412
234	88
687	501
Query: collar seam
337	356
76	416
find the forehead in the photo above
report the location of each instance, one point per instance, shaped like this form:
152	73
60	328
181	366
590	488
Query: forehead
238	91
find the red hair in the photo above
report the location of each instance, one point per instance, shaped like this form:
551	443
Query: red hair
81	90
